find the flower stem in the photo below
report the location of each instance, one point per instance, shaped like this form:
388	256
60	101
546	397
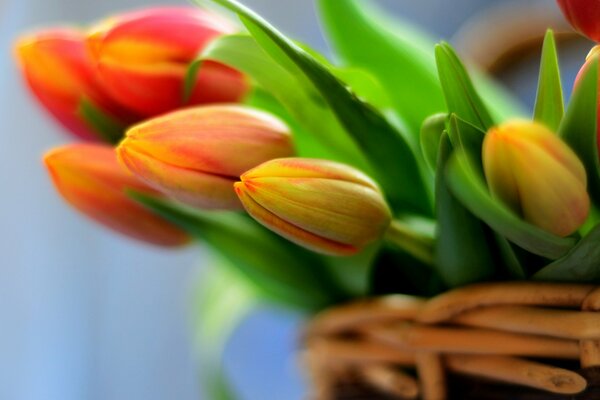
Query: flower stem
412	242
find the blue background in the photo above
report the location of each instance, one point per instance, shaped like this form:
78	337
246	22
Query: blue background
85	314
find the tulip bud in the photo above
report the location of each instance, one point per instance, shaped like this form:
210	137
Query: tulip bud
59	71
91	180
143	56
195	155
584	16
537	175
325	206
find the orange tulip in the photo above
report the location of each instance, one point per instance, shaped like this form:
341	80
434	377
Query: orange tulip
195	155
537	175
59	71
325	206
92	181
143	56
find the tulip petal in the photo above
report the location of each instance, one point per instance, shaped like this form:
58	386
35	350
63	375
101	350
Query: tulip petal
194	188
337	210
157	34
289	231
90	179
145	89
309	168
217	83
560	211
224	140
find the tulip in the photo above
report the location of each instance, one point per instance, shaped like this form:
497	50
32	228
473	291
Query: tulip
90	179
60	73
196	155
537	175
325	206
584	16
142	59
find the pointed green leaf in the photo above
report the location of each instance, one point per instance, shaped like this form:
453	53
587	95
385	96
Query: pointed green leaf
549	104
431	133
398	55
461	97
223	300
468	138
462	254
284	271
393	162
582	264
579	127
470	188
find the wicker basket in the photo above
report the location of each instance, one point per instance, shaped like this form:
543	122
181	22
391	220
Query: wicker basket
486	341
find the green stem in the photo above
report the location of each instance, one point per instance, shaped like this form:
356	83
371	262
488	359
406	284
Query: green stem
412	242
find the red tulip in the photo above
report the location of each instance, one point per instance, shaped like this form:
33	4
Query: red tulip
60	73
92	181
142	59
584	16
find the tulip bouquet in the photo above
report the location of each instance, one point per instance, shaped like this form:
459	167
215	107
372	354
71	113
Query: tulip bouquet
314	183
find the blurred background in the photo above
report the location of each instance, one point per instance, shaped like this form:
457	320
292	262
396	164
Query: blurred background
88	315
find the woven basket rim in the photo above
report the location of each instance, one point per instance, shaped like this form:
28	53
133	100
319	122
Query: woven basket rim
531	335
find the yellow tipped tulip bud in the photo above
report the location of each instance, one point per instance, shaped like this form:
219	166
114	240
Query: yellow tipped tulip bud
537	175
92	181
196	155
325	206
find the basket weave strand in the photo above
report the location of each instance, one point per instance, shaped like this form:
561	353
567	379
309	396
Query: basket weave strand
517	340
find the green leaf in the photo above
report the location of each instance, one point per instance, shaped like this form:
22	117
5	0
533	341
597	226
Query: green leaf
397	54
284	271
469	187
109	129
549	104
509	260
468	138
582	264
431	134
321	135
461	97
394	164
462	254
579	127
364	85
223	299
